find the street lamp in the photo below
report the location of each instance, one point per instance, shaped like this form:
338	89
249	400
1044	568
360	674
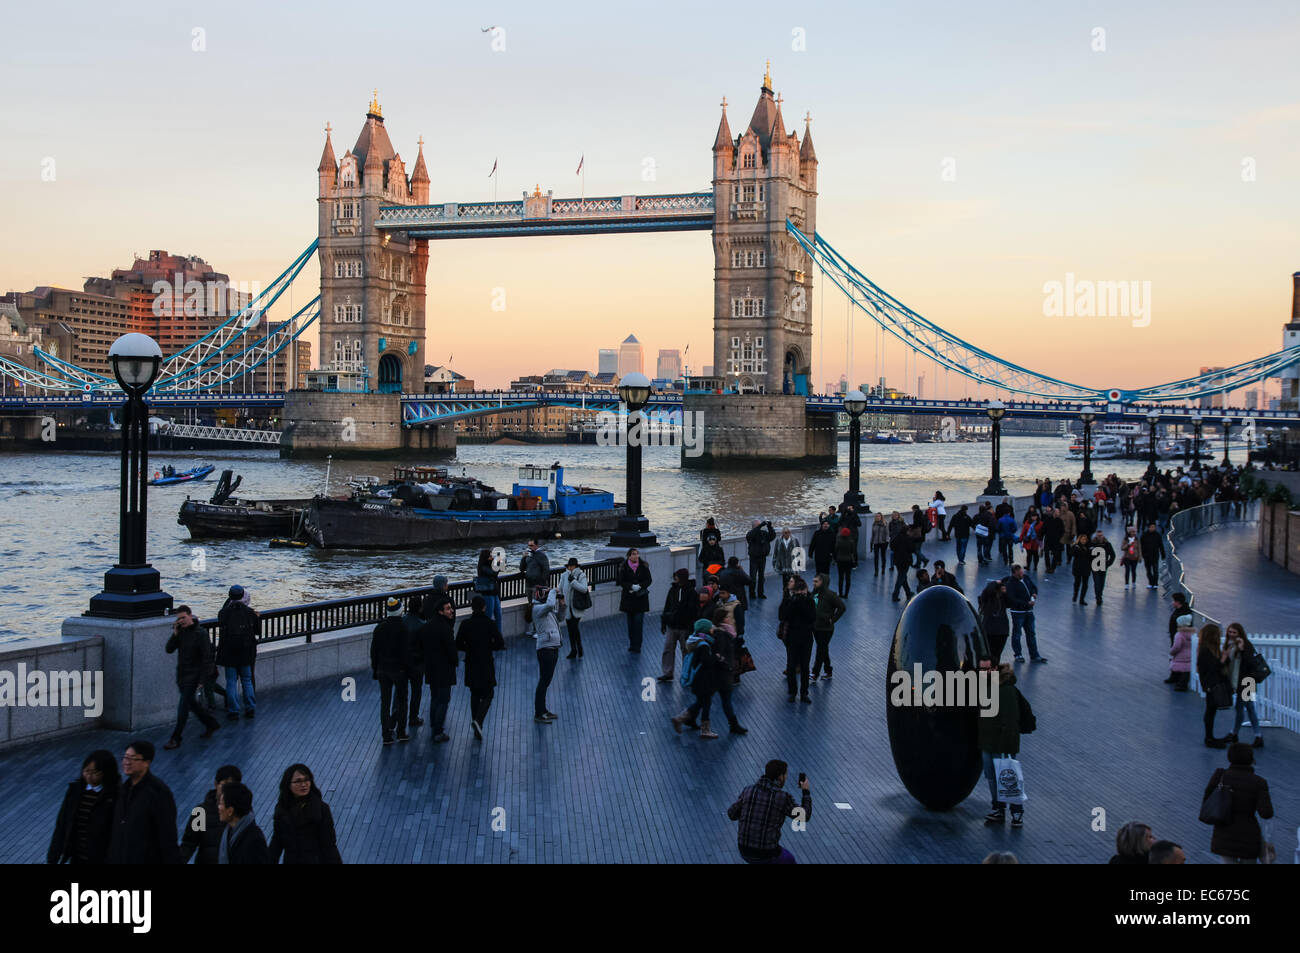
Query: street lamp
131	587
1197	421
1087	416
1268	442
996	411
1227	436
1153	418
633	528
855	402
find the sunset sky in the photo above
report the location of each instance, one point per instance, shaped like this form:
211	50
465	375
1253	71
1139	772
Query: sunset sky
1131	163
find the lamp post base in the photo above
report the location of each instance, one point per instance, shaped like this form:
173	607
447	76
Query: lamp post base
995	488
633	531
1085	478
855	499
131	592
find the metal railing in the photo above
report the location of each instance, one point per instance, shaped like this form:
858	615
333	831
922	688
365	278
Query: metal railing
1277	699
304	621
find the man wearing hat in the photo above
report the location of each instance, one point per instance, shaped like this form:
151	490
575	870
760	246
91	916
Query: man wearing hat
239	627
389	664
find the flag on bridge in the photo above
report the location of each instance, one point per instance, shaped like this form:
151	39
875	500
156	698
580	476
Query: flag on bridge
583	159
494	169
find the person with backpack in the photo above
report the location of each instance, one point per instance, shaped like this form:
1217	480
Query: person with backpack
1237	837
577	598
536	567
830	608
237	651
799	613
999	737
758	543
700	675
1130	553
487	585
677	621
1103	555
762	809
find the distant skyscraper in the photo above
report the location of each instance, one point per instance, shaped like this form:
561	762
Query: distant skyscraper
669	365
1217	399
631	357
1252	400
607	362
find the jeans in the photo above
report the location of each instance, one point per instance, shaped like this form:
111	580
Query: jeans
880	557
1098	584
798	649
492	606
189	704
634	626
1153	572
993	784
1243	707
823	639
962	543
546	659
673	639
439	701
900	579
845	578
724	696
392	704
757	570
700	707
1006	548
1024	620
1130	573
241	675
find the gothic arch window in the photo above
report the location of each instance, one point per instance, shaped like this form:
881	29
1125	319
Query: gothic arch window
748	161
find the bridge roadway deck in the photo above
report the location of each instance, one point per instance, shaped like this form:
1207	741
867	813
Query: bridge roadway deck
611	782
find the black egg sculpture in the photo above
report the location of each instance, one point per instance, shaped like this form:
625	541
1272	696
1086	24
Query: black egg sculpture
934	746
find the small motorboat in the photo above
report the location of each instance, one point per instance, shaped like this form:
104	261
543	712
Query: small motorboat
280	542
169	476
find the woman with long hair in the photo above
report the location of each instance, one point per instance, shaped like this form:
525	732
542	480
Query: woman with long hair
879	545
303	825
487	586
1240	657
1210	670
1081	568
634	579
85	823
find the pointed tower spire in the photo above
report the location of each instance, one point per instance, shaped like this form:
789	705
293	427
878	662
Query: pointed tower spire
327	161
806	151
778	124
420	173
723	140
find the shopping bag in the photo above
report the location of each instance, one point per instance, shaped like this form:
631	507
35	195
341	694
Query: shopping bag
981	529
1010	781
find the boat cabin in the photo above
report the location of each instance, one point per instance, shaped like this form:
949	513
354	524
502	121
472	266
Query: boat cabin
419	474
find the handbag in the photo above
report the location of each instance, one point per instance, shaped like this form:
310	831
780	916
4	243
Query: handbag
745	661
581	600
1259	668
981	529
1222	695
1217	807
1010	781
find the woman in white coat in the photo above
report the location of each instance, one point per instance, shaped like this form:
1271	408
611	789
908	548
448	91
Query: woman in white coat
939	513
574	581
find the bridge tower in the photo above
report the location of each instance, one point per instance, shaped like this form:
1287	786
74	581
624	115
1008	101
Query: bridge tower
762	279
371	283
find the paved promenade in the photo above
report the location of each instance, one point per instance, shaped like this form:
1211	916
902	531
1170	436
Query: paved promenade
611	782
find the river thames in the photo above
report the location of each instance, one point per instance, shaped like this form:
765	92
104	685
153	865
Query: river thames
60	515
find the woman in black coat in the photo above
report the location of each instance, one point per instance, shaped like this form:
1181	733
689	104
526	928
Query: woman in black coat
1239	841
478	637
303	826
1081	568
993	617
85	823
1214	679
634	580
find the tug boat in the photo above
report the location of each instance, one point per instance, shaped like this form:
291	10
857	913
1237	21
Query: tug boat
224	516
424	506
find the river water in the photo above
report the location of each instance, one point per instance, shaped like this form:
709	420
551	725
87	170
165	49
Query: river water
58	513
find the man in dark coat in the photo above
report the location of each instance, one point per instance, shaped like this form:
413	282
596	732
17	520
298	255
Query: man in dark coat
237	651
144	818
681	609
901	549
1053	539
536	567
1021	594
822	547
242	841
710	547
389	664
758	543
414	621
193	649
203	830
1103	554
799	614
438	649
1152	545
478	637
1239	841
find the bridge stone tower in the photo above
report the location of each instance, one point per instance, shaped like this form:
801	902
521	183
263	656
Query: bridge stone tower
371	284
762	317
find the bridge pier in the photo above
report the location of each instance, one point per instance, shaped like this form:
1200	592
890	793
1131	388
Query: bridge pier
320	423
772	431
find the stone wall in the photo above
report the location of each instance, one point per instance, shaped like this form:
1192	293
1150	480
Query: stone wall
317	423
764	430
1279	535
21	723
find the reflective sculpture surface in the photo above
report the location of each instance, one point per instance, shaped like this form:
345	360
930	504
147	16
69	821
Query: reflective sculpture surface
934	745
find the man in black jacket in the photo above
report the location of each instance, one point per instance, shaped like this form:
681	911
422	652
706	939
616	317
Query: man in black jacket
758	542
242	841
414	621
438	651
389	663
681	609
204	828
1021	594
237	651
1053	539
536	567
822	547
1103	554
1152	545
193	649
144	819
901	549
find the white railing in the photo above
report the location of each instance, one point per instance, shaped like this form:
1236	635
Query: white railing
1277	699
194	431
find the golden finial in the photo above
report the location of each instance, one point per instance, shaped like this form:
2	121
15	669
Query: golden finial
767	76
375	108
